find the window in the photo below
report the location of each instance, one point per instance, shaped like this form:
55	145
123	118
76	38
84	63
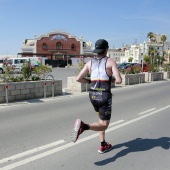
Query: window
17	61
58	45
44	46
84	44
73	47
23	61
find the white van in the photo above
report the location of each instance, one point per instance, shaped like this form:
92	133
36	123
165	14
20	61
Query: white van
17	63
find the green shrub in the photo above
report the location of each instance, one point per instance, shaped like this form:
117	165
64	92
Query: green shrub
26	70
42	71
35	78
166	67
17	79
131	70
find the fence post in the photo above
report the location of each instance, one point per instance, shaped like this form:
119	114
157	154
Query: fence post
45	89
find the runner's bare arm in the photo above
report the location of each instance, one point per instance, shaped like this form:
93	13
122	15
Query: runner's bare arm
81	76
118	79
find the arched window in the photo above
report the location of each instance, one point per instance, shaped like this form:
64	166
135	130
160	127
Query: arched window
73	47
58	45
44	46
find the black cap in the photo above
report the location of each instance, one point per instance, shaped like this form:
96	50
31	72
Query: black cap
100	46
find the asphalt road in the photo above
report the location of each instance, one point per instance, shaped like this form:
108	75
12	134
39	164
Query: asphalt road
35	135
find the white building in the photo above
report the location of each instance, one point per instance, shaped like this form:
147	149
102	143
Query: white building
116	54
134	51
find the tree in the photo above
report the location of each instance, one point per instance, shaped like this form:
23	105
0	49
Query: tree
163	39
151	36
146	59
130	59
151	53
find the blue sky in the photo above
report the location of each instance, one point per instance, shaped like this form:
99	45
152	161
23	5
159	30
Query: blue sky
119	22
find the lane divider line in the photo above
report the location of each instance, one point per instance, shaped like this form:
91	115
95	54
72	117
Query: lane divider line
115	123
32	151
147	111
55	150
42	147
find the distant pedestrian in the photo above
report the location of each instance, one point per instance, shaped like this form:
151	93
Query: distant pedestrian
101	69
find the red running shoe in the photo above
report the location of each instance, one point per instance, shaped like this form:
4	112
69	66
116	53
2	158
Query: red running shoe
107	147
77	130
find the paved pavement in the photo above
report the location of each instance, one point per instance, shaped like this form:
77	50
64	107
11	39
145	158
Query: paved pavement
63	73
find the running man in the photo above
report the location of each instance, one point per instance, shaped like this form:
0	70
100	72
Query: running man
101	69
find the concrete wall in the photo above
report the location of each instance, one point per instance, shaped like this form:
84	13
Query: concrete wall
28	90
78	87
129	79
167	75
157	76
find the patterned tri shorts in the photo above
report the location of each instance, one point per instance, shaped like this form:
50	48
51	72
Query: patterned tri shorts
102	103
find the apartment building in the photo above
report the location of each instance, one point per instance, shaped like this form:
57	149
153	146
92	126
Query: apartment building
116	54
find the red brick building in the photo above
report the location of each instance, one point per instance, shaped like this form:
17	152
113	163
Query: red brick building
56	45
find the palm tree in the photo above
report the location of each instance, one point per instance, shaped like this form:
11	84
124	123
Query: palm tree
151	36
163	39
151	53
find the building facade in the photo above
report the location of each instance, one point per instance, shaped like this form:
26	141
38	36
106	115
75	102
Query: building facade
116	54
56	45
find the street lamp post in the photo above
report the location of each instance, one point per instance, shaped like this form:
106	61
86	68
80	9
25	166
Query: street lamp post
143	51
157	61
142	60
67	59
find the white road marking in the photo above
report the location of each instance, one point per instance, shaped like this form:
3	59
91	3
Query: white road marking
32	151
55	150
147	111
115	123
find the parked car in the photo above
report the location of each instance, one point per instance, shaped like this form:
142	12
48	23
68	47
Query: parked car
125	66
1	66
130	65
122	65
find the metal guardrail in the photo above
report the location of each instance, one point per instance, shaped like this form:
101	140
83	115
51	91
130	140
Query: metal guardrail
45	83
6	88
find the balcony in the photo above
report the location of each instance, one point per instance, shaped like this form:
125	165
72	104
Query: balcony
28	49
